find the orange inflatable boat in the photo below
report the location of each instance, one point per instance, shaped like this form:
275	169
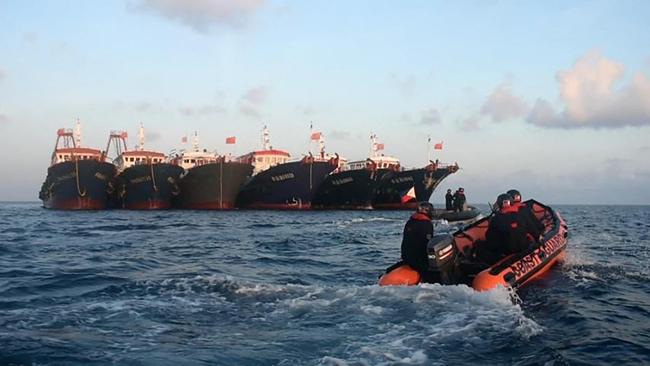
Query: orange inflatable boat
452	259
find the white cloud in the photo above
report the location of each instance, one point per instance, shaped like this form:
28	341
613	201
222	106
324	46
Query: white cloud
430	116
4	120
339	135
503	105
200	110
256	96
591	98
470	123
405	85
201	15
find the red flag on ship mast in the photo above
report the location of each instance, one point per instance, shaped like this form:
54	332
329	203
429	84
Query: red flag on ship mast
380	146
438	146
231	140
184	139
315	136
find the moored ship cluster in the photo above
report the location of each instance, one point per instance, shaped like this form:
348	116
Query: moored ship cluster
81	178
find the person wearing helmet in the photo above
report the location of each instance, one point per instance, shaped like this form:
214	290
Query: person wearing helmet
459	199
533	225
417	233
449	201
505	234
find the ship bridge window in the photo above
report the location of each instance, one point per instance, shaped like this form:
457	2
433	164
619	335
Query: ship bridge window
193	161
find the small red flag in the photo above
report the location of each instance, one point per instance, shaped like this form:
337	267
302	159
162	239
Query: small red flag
380	146
315	136
124	134
438	146
184	139
231	140
60	131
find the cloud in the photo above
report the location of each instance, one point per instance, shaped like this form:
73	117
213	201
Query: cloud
503	105
430	116
591	99
201	15
200	110
256	96
339	135
470	123
30	37
405	85
306	110
4	120
250	111
252	100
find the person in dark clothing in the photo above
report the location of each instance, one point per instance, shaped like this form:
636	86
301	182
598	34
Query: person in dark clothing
449	201
417	233
532	224
459	199
506	234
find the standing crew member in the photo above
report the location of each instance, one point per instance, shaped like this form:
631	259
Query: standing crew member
417	233
506	234
459	199
449	201
532	225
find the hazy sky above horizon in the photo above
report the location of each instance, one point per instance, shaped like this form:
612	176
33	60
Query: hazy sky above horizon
552	97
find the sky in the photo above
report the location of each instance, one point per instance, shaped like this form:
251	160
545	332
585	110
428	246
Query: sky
551	98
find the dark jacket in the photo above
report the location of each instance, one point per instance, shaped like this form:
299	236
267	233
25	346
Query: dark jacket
449	201
506	233
531	223
417	232
459	200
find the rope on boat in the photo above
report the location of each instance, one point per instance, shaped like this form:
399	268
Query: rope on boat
81	194
153	176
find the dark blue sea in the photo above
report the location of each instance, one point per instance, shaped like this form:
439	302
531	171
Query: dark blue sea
299	288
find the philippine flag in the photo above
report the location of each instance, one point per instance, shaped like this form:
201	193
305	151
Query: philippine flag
409	196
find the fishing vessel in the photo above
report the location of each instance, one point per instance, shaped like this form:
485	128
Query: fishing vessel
146	180
404	188
278	183
210	181
78	177
354	185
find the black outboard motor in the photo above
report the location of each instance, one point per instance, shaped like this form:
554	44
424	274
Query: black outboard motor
442	254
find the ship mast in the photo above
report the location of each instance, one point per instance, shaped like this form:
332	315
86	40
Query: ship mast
373	145
77	134
265	138
141	137
196	142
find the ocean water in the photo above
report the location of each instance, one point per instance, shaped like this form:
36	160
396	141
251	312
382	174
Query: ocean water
299	288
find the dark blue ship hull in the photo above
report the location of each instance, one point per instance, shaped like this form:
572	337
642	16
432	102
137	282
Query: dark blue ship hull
78	185
349	190
213	186
394	186
286	186
148	186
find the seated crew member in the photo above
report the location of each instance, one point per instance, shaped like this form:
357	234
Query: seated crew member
532	224
505	234
449	201
459	199
417	233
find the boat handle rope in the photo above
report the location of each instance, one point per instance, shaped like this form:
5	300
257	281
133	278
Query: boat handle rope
81	194
153	176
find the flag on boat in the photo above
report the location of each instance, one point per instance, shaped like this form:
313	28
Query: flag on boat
438	146
409	196
124	134
231	140
380	146
315	136
184	139
60	131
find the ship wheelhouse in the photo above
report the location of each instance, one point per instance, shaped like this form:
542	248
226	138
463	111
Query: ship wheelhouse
130	158
264	159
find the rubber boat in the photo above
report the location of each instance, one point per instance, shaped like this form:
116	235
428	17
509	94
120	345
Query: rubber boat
451	259
454	216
